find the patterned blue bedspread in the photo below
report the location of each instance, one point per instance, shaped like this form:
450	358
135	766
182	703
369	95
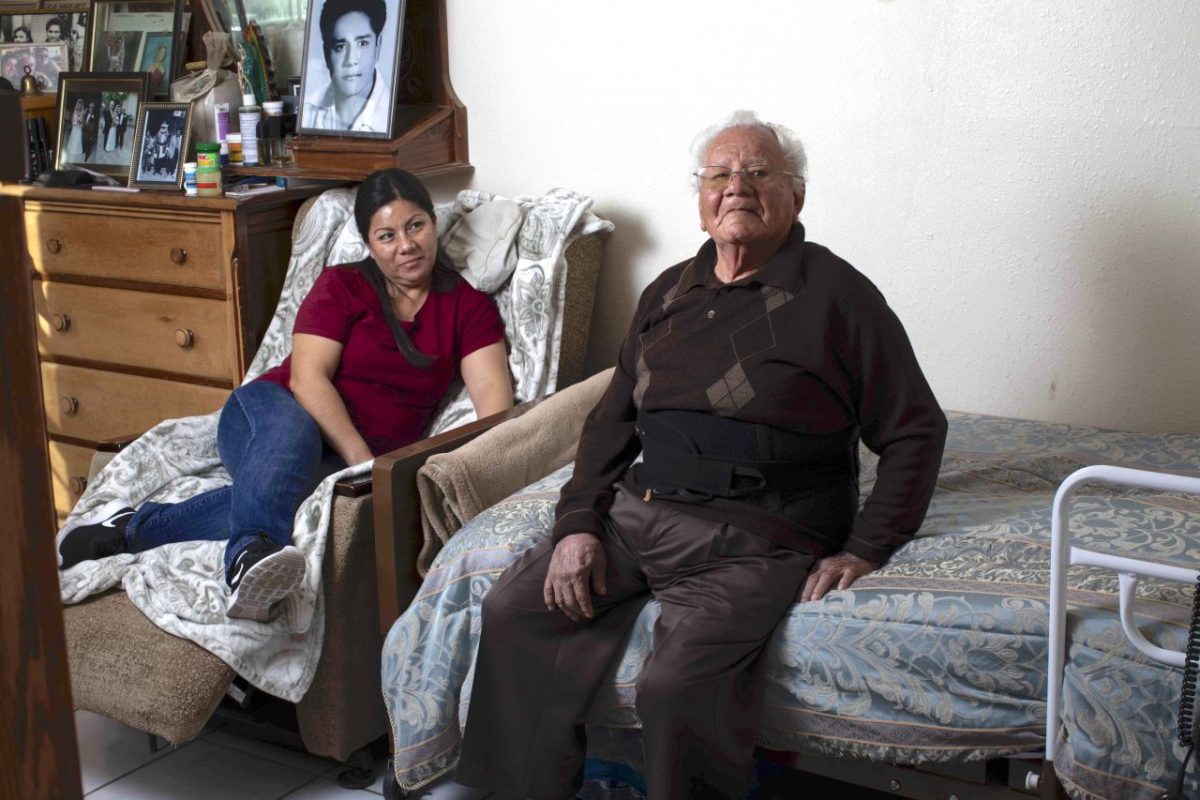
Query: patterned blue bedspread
938	656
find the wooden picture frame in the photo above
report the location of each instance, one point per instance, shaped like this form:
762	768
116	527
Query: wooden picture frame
160	146
48	24
99	134
329	90
120	30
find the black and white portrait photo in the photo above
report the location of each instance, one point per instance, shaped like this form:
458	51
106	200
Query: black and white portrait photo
160	145
351	57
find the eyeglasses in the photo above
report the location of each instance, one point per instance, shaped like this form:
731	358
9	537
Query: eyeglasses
755	175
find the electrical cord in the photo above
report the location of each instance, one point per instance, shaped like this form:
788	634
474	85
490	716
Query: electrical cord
1187	730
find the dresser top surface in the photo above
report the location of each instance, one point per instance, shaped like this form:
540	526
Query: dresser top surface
156	200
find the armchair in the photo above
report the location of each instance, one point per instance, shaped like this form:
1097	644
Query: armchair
126	667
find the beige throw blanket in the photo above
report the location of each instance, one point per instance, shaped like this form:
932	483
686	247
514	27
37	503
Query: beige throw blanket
456	486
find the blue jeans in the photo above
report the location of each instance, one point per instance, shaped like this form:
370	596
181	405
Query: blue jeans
273	450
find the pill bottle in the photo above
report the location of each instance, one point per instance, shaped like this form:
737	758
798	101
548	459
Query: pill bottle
189	178
234	140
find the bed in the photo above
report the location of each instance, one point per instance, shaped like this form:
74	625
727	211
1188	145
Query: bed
938	660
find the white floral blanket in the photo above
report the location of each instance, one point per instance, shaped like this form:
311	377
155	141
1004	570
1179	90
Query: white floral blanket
181	587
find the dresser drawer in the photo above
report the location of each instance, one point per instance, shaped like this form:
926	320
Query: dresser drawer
127	246
187	335
96	405
69	466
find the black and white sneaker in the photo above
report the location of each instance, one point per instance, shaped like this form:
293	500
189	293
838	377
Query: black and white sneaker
100	536
262	574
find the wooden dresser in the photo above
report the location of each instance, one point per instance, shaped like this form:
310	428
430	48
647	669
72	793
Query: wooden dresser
149	306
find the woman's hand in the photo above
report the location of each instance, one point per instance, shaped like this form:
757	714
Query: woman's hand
843	569
576	559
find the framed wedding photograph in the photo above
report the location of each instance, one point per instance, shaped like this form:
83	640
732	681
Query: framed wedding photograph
33	25
160	145
131	35
351	63
96	116
45	62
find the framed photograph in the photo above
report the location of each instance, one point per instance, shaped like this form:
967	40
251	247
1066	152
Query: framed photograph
351	63
154	60
293	85
45	62
127	34
40	26
160	145
96	115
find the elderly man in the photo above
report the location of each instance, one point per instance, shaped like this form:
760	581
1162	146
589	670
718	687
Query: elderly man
749	374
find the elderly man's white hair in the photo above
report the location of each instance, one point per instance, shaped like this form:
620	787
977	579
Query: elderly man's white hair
793	148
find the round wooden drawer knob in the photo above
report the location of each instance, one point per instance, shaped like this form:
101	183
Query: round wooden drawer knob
178	255
61	322
54	245
184	338
78	484
68	404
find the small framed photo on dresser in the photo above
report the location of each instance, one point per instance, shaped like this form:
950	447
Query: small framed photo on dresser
160	146
44	61
96	114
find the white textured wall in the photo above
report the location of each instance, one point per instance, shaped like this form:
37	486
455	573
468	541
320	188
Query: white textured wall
1021	179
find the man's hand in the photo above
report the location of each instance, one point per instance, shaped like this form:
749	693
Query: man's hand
842	569
576	559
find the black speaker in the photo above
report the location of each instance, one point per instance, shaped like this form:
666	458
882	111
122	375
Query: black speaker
14	144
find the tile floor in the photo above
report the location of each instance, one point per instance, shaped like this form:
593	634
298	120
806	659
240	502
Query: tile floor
117	763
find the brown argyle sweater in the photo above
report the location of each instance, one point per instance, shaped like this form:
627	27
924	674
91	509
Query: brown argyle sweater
806	344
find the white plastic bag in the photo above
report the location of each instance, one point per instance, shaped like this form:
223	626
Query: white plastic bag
209	88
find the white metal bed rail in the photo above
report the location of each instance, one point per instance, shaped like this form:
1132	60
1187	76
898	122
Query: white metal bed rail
1063	555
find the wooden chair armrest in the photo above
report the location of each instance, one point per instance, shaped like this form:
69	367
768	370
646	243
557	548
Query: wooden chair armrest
357	486
397	507
117	443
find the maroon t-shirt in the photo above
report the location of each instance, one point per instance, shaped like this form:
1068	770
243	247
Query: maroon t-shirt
389	400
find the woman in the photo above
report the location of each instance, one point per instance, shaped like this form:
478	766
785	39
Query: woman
110	137
22	34
116	52
74	150
158	70
375	346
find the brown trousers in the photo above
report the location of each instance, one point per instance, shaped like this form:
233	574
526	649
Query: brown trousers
722	591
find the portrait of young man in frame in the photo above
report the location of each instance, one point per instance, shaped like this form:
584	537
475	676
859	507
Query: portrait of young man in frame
351	61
